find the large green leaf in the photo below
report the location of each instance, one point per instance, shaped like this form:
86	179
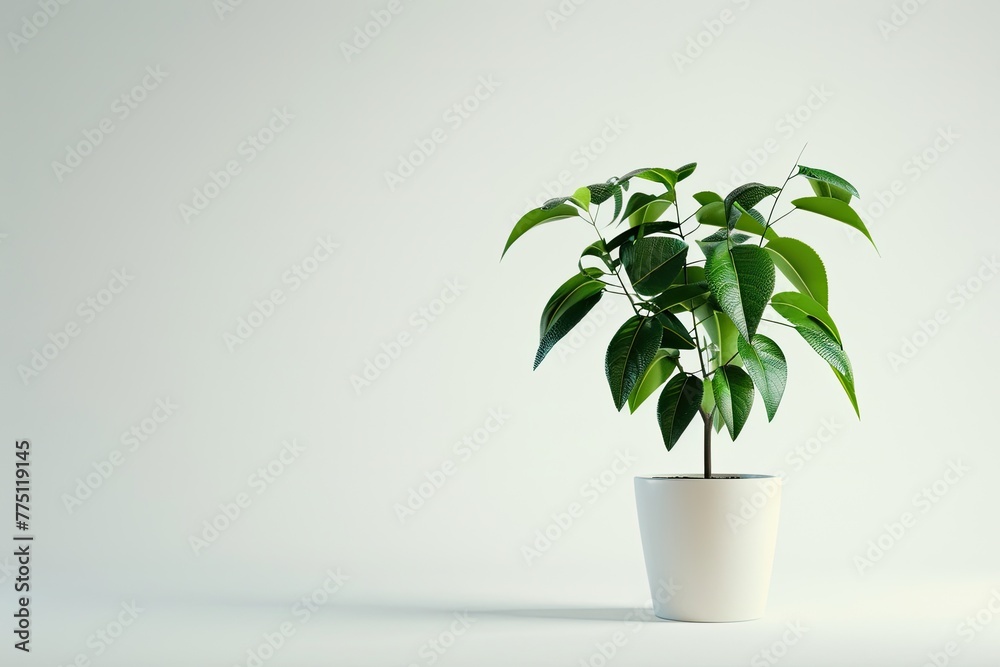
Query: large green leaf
706	197
536	217
802	309
733	391
765	362
631	350
646	229
683	295
713	214
564	310
748	195
835	209
802	266
664	177
636	201
678	404
675	334
836	186
741	279
652	263
651	210
659	369
828	348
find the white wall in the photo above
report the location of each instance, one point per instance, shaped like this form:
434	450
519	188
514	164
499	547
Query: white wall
879	101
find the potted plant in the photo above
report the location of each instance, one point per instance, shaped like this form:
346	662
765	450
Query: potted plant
693	332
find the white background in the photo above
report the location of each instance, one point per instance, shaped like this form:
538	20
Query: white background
870	100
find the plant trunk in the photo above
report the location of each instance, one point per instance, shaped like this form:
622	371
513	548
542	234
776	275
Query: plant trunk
708	444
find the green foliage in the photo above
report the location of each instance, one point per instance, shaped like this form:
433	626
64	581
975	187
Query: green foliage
630	352
678	404
694	327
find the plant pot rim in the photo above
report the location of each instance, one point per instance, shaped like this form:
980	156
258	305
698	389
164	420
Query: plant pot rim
720	477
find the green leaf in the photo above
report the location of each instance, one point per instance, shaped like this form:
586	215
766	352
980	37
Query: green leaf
635	202
659	369
652	263
728	337
756	215
705	197
617	192
835	209
733	391
685	171
643	230
802	309
564	310
664	177
830	350
765	362
748	195
741	279
651	210
536	217
827	347
713	214
675	334
599	250
847	383
802	266
631	350
599	192
678	404
830	179
681	294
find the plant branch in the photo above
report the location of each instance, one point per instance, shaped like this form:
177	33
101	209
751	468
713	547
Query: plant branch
778	195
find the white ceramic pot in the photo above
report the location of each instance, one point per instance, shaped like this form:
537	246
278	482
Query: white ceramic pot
708	544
